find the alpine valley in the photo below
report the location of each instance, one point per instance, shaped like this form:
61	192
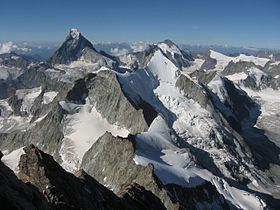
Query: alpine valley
156	128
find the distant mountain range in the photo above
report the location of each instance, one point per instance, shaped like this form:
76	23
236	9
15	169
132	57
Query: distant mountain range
42	51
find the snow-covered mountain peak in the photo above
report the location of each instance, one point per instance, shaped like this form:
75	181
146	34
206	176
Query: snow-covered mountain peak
74	33
169	46
179	57
224	60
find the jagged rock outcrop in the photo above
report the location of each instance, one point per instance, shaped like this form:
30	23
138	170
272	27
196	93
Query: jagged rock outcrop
209	63
137	197
71	49
106	93
257	82
77	47
180	58
203	76
13	60
139	59
237	67
64	190
238	101
16	195
110	161
272	68
93	56
192	90
47	134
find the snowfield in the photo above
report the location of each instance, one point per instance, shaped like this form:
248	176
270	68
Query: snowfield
223	60
158	145
83	125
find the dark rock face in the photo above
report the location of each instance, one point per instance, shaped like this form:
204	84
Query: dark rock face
192	90
266	81
75	47
238	101
241	66
71	49
110	161
180	60
63	190
107	95
137	197
209	63
16	195
47	134
203	76
272	69
78	93
13	60
144	57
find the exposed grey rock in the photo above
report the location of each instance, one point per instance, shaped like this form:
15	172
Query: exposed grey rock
78	47
137	197
15	104
13	60
240	66
266	81
64	190
203	76
47	134
93	56
182	60
110	161
209	63
238	101
16	195
192	90
107	95
71	49
272	69
145	56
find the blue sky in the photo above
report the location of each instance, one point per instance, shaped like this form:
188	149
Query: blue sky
253	23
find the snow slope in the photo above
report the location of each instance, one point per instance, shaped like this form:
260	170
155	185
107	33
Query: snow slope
162	68
83	125
156	84
12	159
223	60
28	96
174	165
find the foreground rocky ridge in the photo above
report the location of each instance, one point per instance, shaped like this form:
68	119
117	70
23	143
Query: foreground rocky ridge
115	156
43	184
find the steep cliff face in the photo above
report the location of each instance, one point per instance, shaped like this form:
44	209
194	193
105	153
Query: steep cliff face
77	48
110	161
63	190
71	48
237	67
16	195
192	90
106	93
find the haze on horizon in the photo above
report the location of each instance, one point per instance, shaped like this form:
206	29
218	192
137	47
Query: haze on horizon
251	23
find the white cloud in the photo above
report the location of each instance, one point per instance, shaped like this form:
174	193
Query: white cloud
7	47
138	46
117	51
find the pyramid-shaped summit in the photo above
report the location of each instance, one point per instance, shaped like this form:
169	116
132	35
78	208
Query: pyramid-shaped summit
71	49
